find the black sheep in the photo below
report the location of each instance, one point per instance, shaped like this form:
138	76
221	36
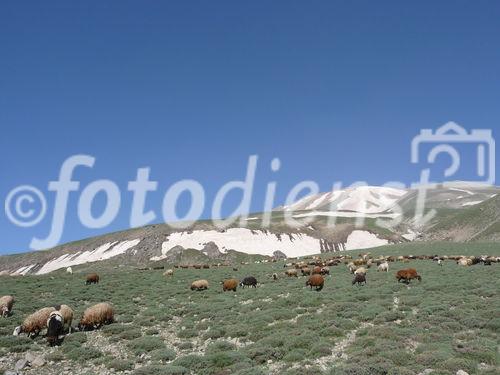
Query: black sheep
359	278
55	328
249	281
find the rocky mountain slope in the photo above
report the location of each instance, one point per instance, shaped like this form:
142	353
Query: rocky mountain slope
464	213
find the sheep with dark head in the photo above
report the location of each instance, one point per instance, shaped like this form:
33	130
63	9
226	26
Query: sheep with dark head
305	271
6	303
291	273
96	316
325	271
55	328
249	281
359	278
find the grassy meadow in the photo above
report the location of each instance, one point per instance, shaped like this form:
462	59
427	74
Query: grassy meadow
448	322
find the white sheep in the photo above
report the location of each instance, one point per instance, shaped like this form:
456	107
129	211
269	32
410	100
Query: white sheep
360	271
6	303
383	267
169	272
69	270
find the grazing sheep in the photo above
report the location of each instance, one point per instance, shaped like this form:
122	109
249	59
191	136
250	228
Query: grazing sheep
199	285
408	274
383	267
169	272
34	323
305	271
464	262
325	271
316	281
96	316
55	328
351	267
316	270
69	270
92	278
249	281
230	284
359	262
275	276
291	273
359	278
360	271
440	262
67	314
6	303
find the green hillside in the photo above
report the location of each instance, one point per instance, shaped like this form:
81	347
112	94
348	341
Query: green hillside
447	322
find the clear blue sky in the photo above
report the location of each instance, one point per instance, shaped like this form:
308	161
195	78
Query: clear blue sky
335	89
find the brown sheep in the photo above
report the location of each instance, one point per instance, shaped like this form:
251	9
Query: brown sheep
316	281
96	316
199	285
291	273
92	278
230	284
34	323
316	270
408	274
6	303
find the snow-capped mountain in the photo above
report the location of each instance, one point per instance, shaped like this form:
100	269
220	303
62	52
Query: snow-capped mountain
464	212
362	199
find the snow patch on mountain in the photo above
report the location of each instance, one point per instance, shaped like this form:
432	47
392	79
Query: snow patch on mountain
244	240
261	242
462	191
24	270
345	214
362	199
471	203
362	239
103	252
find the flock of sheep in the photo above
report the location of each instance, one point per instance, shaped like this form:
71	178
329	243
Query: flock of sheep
58	320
